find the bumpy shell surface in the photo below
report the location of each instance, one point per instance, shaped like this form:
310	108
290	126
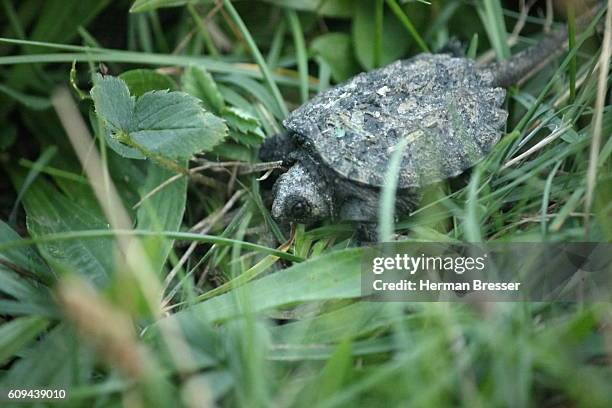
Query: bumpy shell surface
442	109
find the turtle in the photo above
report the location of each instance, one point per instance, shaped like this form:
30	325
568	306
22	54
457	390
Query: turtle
441	113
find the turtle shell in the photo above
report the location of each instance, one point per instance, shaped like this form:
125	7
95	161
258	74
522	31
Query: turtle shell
442	111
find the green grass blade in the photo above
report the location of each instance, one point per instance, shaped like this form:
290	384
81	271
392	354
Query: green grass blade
403	18
181	236
257	55
300	48
386	211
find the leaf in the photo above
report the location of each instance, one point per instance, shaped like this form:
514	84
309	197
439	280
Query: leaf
332	8
113	103
25	258
140	81
147	5
49	211
198	82
234	152
65	363
325	352
121	149
349	322
394	38
162	211
183	130
336	50
16	286
492	16
18	333
332	276
164	124
243	122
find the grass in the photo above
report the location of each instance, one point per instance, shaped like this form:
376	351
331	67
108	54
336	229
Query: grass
125	288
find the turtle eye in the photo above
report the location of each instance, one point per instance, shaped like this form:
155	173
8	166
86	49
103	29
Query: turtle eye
300	209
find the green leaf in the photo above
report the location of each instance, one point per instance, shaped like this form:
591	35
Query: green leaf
18	333
332	8
198	82
147	5
141	81
160	124
121	149
473	47
233	151
183	130
113	103
49	211
332	276
25	258
394	38
243	121
336	50
492	16
15	285
66	363
349	322
162	211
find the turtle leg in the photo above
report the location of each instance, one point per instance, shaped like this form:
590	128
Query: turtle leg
363	211
454	47
278	147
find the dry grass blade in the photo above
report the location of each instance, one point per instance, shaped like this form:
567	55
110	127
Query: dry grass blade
135	258
107	328
538	146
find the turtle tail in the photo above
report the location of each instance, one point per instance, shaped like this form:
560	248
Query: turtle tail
529	61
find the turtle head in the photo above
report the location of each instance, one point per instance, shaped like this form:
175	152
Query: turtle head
301	196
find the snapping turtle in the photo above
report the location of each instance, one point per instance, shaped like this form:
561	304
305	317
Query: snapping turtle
445	111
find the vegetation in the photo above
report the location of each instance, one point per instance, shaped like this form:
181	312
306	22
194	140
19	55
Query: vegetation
139	263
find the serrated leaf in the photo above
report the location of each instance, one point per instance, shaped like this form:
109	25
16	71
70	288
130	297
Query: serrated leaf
141	81
113	103
198	82
120	148
247	139
174	125
243	121
336	50
163	124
